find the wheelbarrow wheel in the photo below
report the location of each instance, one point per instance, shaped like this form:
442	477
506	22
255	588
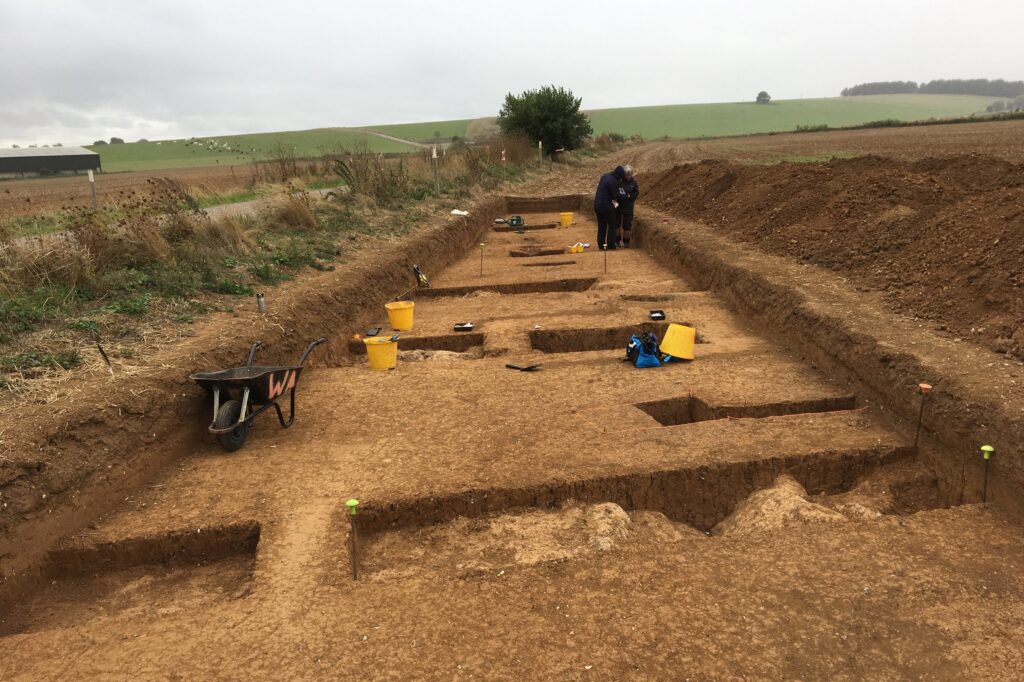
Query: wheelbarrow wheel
226	416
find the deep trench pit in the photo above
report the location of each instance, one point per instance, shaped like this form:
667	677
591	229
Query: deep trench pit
526	228
597	338
690	408
530	251
474	527
648	298
549	264
456	343
545	287
152	575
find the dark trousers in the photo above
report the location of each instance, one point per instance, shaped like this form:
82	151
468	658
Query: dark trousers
625	225
607	226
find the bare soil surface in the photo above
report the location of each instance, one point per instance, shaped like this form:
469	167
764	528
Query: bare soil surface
943	238
749	514
32	196
543	524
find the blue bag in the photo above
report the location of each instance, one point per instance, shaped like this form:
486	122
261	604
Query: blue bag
643	351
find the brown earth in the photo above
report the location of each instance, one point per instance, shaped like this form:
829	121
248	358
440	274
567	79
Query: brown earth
33	196
480	561
943	238
999	139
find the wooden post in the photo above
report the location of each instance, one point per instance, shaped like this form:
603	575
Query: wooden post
437	182
92	187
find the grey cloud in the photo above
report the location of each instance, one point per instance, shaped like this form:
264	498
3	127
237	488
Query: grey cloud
76	71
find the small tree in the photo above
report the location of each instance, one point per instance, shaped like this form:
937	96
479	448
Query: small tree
764	98
116	140
99	142
549	115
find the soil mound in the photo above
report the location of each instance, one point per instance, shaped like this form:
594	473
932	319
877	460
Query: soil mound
942	238
784	504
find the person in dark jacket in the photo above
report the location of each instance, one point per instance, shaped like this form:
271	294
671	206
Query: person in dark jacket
629	190
606	206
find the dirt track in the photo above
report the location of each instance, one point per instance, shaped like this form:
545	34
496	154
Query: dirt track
476	562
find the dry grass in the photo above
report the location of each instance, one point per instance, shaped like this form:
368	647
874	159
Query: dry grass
57	260
295	211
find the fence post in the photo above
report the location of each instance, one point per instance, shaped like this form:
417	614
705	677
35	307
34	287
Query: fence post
437	182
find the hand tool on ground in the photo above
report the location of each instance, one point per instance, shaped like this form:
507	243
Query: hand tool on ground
421	279
525	368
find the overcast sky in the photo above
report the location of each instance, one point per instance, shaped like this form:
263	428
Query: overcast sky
72	71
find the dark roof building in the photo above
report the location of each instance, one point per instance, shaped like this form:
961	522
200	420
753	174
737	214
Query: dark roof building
48	160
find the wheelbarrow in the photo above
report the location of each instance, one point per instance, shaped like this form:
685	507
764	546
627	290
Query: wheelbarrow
248	387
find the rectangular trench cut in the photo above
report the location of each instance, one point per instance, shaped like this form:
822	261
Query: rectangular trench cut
690	409
141	574
596	338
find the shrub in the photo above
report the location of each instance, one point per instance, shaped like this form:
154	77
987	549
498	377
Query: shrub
550	115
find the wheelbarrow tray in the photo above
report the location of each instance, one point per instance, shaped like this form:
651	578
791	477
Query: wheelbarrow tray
235	390
264	383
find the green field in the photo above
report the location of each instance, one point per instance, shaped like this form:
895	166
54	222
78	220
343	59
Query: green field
425	132
243	148
742	118
678	120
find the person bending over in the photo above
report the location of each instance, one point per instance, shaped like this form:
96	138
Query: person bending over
606	206
629	191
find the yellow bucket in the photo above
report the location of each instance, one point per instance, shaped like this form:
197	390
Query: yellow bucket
565	219
678	342
382	352
400	315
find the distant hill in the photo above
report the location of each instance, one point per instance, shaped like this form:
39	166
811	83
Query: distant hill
676	120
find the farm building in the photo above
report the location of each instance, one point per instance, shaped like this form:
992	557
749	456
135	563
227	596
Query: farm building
47	160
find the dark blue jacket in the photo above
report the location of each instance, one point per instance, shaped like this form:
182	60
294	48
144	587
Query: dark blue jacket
608	190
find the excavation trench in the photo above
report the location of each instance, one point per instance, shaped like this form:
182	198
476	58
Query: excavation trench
545	287
549	264
456	343
697	496
526	227
690	409
535	252
596	338
79	582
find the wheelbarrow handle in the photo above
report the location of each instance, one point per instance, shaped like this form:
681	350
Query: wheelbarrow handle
252	353
309	349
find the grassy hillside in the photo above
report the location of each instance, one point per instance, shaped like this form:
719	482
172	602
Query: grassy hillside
424	132
740	118
679	120
235	149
